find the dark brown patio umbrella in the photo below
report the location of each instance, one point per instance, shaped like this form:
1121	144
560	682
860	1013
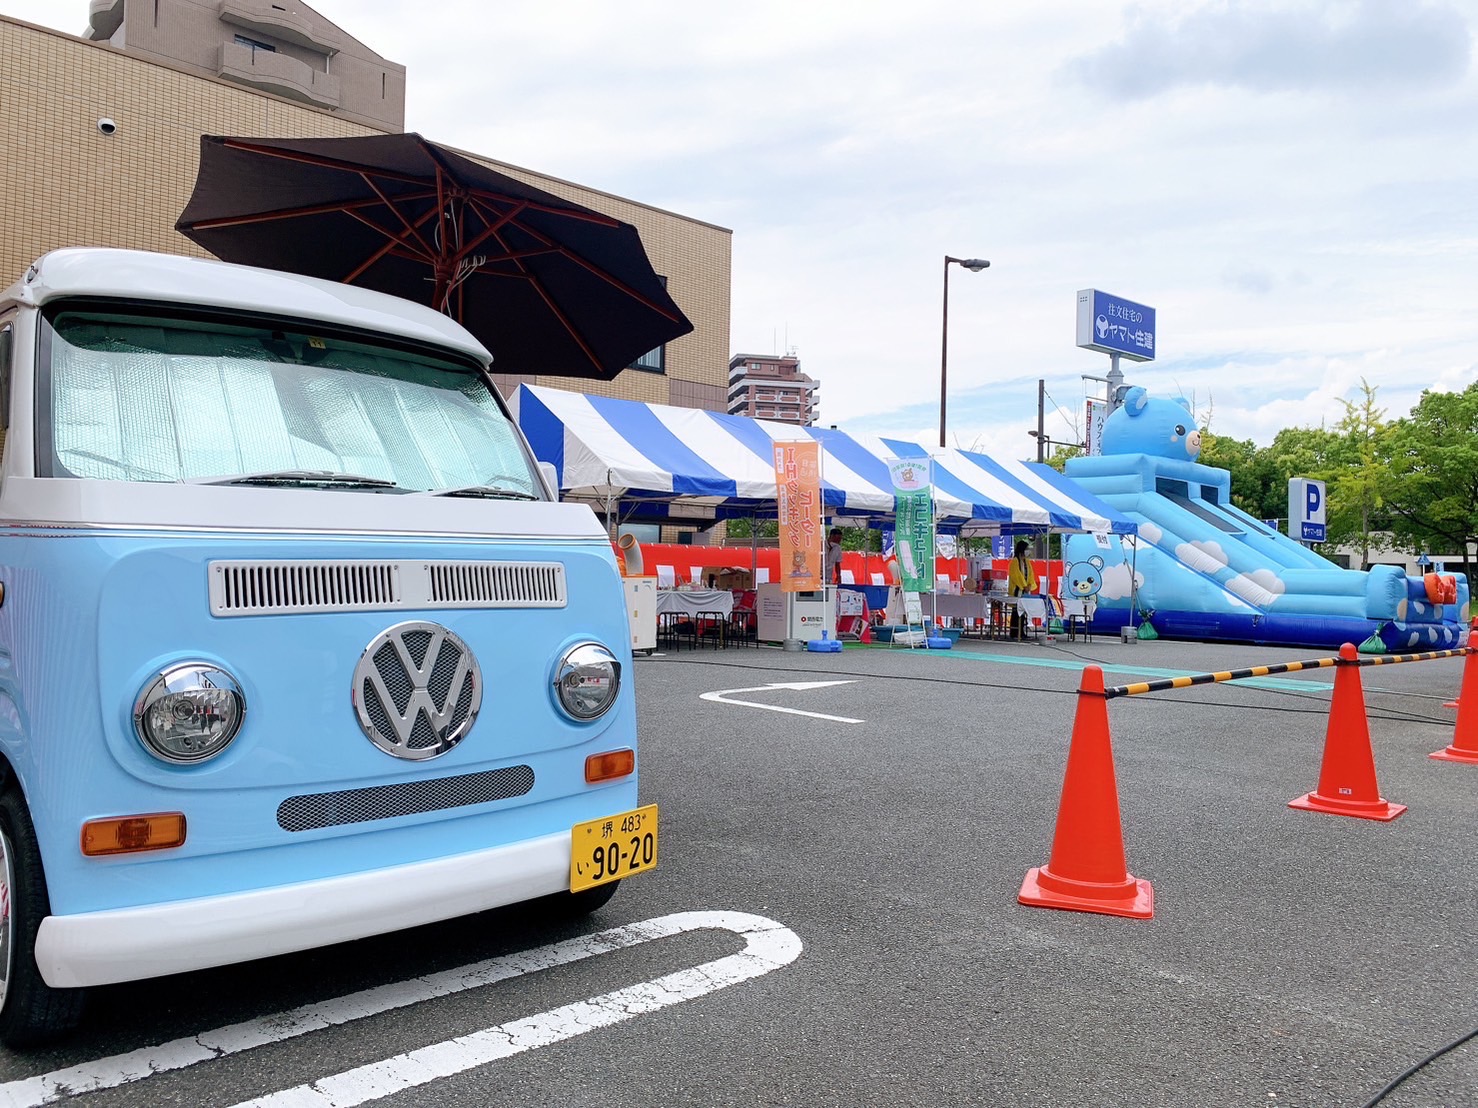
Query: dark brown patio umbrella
548	286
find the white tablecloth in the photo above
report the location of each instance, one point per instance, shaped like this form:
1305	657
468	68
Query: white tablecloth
954	605
693	601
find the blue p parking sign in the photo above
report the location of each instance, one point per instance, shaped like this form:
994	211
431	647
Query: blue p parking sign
1306	509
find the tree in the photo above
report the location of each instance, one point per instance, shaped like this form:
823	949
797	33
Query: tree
1259	486
1259	475
1431	497
1356	484
744	527
1305	452
1061	453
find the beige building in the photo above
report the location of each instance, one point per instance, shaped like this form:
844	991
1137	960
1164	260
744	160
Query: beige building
103	140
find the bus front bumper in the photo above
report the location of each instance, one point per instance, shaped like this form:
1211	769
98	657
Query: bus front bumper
131	944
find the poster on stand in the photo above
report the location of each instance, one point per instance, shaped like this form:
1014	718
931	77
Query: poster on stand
913	510
798	489
1095	411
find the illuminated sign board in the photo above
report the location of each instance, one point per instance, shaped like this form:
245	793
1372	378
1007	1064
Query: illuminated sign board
1112	325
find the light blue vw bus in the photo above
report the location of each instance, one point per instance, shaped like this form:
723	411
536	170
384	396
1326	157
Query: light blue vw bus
296	643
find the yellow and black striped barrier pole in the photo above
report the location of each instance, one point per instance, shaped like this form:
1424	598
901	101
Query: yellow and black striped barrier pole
1141	687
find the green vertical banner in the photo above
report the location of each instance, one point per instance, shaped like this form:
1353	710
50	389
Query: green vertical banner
913	528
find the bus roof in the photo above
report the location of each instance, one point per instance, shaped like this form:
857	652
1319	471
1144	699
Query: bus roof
146	276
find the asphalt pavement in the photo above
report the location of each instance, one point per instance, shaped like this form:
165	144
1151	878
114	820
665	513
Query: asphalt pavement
879	827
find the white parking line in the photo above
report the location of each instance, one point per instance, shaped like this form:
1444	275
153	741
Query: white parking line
722	697
768	946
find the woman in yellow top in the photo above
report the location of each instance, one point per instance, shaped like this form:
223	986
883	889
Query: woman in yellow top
1022	578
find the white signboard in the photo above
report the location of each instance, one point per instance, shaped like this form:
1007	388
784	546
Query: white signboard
1306	509
1096	412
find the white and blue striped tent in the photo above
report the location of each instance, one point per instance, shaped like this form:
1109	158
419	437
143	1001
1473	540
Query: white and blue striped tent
659	462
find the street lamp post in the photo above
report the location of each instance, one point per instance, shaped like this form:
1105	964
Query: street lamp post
1046	444
974	265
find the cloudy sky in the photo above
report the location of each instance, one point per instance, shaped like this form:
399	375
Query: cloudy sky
1291	184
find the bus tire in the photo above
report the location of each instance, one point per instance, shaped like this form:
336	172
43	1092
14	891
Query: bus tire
31	1011
584	902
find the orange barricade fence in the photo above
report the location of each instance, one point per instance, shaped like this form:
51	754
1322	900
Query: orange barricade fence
738	566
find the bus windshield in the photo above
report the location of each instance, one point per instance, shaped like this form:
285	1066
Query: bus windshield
150	395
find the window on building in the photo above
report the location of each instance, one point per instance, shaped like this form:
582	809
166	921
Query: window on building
653	361
255	44
641	532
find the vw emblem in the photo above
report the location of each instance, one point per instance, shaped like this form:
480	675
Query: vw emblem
417	689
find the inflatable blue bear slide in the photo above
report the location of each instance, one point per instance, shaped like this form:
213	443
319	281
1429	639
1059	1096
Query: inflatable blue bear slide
1207	570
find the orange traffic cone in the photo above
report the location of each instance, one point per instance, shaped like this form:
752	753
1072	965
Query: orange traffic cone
1086	872
1464	747
1347	784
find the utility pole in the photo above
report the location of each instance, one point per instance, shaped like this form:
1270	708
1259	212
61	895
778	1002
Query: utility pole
1041	415
1040	550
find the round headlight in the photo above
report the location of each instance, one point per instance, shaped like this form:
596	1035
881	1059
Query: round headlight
189	712
586	681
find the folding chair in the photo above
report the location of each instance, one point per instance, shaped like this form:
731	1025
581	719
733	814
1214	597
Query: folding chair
1033	611
1075	619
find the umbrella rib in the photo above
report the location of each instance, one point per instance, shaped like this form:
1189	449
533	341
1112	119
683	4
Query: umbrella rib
490	231
404	222
569	326
419	249
473	192
455	285
488	197
322	162
391	242
491	227
354	210
348	207
621	286
410	179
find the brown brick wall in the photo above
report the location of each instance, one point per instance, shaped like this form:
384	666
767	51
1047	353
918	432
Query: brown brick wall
62	183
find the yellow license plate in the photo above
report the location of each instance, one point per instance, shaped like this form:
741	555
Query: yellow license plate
608	849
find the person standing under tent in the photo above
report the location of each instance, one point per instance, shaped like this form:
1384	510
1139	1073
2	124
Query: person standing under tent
1021	580
834	557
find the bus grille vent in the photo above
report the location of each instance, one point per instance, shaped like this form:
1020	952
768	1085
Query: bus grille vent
313	811
261	588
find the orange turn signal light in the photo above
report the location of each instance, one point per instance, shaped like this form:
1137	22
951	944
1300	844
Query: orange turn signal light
609	766
129	834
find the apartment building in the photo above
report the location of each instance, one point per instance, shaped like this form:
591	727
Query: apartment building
283	48
772	387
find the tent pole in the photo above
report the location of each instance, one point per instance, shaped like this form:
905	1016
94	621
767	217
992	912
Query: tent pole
1133	580
754	552
613	526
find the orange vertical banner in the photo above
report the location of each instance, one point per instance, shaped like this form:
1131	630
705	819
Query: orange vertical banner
798	488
